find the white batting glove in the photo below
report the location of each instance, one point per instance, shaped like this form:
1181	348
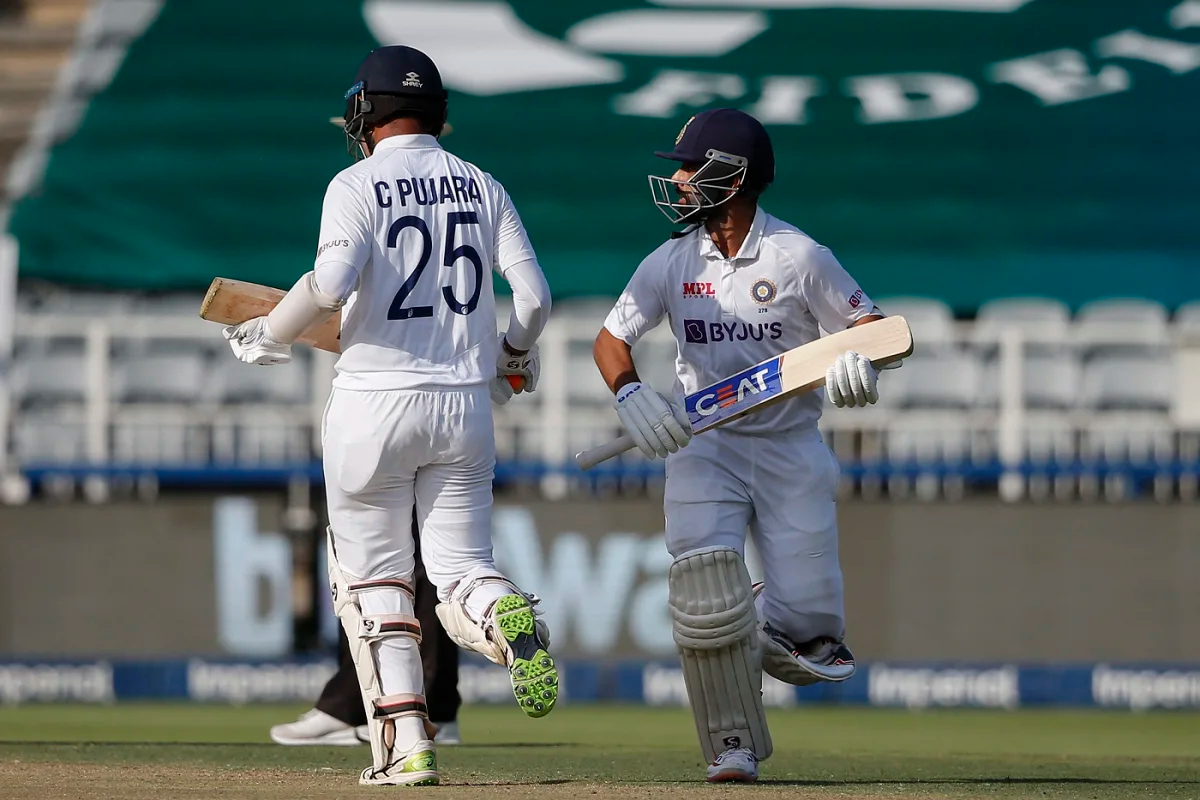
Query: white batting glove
252	343
851	381
657	426
500	389
528	366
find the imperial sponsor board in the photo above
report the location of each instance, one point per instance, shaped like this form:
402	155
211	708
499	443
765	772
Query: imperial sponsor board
1145	688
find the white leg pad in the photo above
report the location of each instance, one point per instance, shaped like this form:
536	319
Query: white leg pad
716	633
476	634
365	630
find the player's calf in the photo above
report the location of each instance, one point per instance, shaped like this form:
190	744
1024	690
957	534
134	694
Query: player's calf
502	623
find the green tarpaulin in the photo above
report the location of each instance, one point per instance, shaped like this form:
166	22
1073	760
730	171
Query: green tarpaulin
962	149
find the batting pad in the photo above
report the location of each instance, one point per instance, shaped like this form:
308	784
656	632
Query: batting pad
364	630
715	630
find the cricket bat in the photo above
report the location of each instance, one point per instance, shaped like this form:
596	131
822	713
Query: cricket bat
231	302
800	369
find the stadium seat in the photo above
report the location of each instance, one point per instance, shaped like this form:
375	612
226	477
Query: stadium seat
1127	383
931	320
170	305
1187	320
180	378
952	380
235	382
1050	382
917	437
159	435
50	435
46	379
86	304
1044	322
1122	325
1128	438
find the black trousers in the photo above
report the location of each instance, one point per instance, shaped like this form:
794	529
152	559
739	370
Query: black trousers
341	697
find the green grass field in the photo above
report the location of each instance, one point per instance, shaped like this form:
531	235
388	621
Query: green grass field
585	752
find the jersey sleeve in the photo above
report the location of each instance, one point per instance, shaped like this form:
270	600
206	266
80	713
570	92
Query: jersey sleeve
834	298
512	242
346	231
640	307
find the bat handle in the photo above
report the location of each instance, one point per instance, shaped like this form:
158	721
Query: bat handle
590	458
515	381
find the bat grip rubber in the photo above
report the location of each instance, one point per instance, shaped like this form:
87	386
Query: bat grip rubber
590	458
515	381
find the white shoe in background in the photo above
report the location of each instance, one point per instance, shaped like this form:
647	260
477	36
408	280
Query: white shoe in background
447	733
734	766
316	728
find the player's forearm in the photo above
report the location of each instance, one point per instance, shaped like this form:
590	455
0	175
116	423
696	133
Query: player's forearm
614	358
531	304
302	307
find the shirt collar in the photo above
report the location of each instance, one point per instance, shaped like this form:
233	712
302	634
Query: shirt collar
750	245
411	141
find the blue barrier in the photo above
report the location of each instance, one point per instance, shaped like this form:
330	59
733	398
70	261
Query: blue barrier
1001	686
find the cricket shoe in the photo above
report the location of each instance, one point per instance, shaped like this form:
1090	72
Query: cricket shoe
737	765
315	727
534	676
417	767
819	660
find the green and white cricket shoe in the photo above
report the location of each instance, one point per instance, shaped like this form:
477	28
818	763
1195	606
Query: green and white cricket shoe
418	768
534	676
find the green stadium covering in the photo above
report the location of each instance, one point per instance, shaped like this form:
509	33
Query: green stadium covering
963	149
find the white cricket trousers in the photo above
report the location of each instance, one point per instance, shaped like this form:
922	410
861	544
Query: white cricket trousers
782	487
386	451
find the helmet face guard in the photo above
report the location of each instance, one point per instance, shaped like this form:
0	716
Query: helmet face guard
363	113
717	181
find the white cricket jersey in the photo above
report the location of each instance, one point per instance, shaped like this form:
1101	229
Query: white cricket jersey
424	230
730	314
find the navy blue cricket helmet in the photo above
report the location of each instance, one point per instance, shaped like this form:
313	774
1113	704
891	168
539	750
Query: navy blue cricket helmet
393	81
734	155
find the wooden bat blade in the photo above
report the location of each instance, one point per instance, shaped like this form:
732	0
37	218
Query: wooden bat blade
800	369
231	302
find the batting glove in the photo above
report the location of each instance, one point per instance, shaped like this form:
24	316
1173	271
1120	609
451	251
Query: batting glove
527	365
252	343
657	426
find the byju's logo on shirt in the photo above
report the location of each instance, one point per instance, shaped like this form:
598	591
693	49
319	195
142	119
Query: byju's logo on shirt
698	331
699	290
856	298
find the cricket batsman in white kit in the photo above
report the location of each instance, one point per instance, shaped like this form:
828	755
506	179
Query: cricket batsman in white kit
409	237
739	286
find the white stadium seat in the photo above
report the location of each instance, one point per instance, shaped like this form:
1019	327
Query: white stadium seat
1049	382
1042	321
1122	324
235	382
179	378
931	320
1128	382
952	380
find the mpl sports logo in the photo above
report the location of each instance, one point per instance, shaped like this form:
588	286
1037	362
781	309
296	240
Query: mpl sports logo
699	290
734	395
